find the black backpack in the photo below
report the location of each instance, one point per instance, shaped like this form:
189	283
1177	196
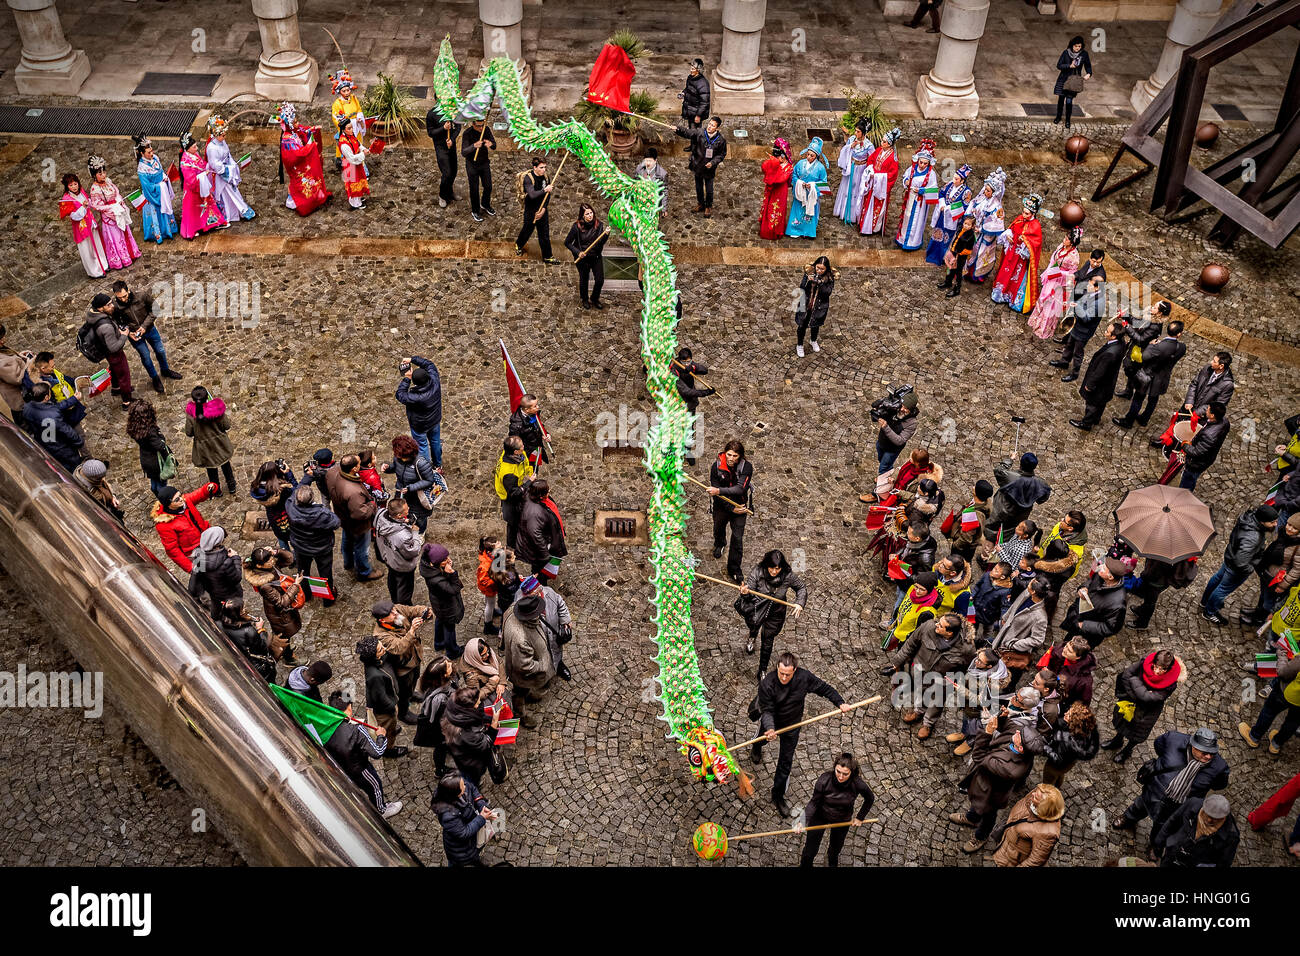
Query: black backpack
88	343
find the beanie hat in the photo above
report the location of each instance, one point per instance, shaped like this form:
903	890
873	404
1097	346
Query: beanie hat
100	300
419	376
1266	513
94	468
323	456
1028	461
318	672
166	495
530	585
381	609
435	553
212	538
983	489
909	401
926	579
529	607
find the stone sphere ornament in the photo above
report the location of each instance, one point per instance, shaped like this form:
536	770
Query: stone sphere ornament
1207	134
709	841
1076	149
1213	278
1072	214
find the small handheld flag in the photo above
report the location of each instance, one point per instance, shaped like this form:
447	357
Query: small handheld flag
99	381
507	731
136	199
552	568
319	587
173	174
970	520
245	160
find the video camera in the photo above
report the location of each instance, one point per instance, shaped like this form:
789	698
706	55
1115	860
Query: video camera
891	404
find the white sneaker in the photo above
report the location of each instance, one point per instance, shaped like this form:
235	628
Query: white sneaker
798	350
442	203
392	809
816	347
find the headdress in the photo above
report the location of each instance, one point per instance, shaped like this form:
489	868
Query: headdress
287	115
142	143
925	149
892	136
814	146
216	125
998	181
1032	202
1074	234
95	164
187	140
783	145
964	172
340	81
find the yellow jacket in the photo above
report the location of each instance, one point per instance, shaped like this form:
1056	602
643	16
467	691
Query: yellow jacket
343	108
521	471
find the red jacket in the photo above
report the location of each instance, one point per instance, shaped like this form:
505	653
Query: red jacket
179	533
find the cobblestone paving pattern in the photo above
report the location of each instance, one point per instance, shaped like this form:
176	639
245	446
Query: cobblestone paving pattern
597	783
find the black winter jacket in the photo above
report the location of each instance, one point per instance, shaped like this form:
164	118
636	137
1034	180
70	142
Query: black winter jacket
1064	749
423	405
311	529
734	483
832	801
470	738
1179	848
540	534
444	591
1148	701
695	99
1204	447
1246	544
381	688
782	704
1107	614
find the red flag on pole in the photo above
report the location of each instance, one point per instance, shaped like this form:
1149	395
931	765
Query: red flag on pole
516	388
611	79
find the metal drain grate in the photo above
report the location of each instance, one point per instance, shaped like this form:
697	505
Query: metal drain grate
177	84
1228	112
620	527
823	132
88	121
824	104
1047	109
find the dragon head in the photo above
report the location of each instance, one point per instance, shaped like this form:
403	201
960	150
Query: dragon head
706	750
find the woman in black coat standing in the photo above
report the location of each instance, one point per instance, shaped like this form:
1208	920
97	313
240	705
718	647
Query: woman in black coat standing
1073	739
142	428
1141	690
586	241
815	290
1073	62
462	811
832	802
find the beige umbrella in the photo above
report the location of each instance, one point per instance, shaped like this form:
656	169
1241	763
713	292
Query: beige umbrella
1165	522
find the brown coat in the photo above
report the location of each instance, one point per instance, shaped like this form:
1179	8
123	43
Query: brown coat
352	500
277	601
484	686
404	645
12	366
1027	840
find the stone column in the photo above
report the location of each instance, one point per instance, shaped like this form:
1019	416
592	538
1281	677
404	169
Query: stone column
284	71
1192	22
948	91
49	64
737	82
503	35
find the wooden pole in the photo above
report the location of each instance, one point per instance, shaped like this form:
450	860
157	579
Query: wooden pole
698	379
486	126
593	244
811	720
735	505
541	210
819	826
643	119
765	597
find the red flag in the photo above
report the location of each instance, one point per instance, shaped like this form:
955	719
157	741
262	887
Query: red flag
173	173
611	79
516	398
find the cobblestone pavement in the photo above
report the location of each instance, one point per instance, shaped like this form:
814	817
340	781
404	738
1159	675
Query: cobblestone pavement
597	783
809	49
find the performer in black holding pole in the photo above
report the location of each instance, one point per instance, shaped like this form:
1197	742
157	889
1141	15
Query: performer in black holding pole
586	241
537	213
477	146
729	484
444	133
691	387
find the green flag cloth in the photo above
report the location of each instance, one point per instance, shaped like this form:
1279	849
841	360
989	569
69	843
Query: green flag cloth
318	720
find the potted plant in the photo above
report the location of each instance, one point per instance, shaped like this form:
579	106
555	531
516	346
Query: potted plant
864	106
621	130
393	108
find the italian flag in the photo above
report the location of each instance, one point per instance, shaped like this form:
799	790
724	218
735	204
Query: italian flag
1271	497
320	588
99	381
136	199
507	731
930	193
552	568
316	718
970	520
1266	665
245	160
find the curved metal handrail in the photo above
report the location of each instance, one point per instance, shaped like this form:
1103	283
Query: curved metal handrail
184	688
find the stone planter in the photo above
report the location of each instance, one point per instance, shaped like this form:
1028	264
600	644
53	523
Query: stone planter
624	142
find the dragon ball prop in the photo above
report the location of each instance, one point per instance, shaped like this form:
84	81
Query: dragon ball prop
709	841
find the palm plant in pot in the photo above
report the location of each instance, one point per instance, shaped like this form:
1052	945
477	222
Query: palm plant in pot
394	110
865	106
621	130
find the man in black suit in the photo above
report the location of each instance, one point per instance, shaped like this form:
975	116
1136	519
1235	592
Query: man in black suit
443	133
1099	380
1152	379
1083	286
1214	383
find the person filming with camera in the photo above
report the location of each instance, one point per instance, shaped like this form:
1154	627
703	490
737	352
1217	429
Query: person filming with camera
895	417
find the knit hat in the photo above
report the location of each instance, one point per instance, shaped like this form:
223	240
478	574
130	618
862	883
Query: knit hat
212	538
983	489
529	607
166	495
926	579
381	609
323	456
100	300
530	585
1293	524
318	672
435	553
909	401
1216	806
419	376
1266	513
1028	461
94	468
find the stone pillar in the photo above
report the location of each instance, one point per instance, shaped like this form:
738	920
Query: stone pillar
948	91
737	82
1192	22
284	71
503	35
49	64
